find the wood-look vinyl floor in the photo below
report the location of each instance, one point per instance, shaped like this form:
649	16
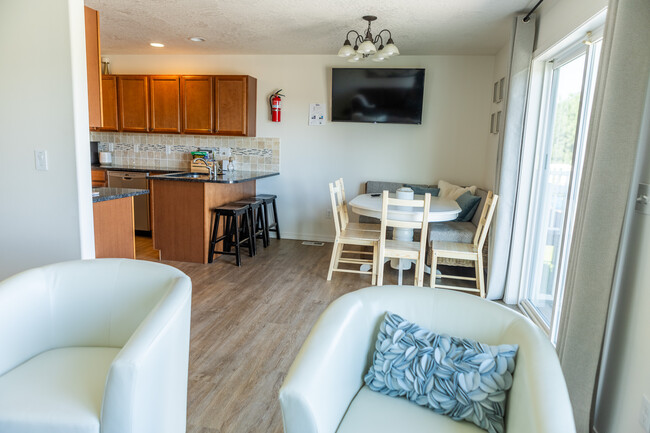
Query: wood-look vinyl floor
247	326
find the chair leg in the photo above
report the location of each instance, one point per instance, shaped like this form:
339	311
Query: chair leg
275	220
374	264
251	240
380	268
213	239
419	273
237	250
333	260
480	284
434	269
399	275
228	230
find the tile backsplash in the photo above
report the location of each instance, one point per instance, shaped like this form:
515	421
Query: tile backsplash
171	151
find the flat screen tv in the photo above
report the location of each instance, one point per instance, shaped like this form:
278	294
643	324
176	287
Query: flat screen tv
377	95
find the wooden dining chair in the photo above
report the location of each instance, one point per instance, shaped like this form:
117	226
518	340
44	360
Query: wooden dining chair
362	235
462	251
413	250
343	212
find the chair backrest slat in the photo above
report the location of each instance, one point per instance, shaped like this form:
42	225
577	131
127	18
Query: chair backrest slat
345	219
335	193
486	219
423	225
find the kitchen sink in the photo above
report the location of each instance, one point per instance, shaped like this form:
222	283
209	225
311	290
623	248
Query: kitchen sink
190	175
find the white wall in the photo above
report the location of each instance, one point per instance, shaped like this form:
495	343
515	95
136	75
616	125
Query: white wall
501	62
558	18
46	216
451	143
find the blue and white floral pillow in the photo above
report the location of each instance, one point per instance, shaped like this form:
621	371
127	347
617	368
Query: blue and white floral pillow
457	377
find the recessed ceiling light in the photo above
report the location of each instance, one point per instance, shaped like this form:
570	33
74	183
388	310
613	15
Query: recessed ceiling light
196	39
157	44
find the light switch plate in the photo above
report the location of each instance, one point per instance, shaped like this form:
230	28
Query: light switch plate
40	160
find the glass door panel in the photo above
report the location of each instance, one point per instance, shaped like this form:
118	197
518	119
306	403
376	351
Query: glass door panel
554	184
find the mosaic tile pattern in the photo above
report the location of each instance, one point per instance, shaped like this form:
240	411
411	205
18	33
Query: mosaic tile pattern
173	151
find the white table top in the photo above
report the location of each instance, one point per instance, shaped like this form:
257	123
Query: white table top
442	209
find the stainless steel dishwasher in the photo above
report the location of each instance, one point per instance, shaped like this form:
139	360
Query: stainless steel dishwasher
137	180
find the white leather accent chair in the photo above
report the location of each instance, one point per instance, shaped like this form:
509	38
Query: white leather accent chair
95	346
324	391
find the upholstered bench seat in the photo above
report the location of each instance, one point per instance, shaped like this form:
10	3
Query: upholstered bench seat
452	231
378	413
57	391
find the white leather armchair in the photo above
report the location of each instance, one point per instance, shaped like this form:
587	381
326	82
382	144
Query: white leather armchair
324	391
95	345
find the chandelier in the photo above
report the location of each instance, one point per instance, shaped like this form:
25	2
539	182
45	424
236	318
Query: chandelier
366	46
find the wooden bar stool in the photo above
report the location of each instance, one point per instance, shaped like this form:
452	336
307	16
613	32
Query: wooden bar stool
270	227
257	220
235	234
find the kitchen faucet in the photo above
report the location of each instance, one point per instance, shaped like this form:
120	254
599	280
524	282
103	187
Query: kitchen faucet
210	166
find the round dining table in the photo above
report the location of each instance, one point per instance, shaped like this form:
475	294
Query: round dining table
441	209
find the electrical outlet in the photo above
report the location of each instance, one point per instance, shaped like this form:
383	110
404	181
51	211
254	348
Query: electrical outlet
168	149
40	159
328	214
644	415
110	147
136	148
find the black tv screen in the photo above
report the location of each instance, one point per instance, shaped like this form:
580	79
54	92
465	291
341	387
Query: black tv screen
377	95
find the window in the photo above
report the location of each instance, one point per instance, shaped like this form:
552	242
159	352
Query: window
568	85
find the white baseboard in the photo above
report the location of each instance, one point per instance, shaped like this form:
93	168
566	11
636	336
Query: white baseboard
305	237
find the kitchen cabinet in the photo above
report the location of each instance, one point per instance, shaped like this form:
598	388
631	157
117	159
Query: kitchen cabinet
93	67
197	104
109	103
235	107
133	102
164	94
98	177
218	105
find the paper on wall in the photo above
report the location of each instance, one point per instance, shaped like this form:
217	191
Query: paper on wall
316	114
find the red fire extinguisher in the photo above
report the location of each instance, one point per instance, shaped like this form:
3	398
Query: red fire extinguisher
276	105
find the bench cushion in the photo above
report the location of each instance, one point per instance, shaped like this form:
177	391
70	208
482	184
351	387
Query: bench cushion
374	412
452	231
58	391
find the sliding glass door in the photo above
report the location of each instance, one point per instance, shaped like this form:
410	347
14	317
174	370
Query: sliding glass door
567	95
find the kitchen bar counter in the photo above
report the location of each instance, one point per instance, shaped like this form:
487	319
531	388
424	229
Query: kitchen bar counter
236	176
182	210
106	194
139	168
113	220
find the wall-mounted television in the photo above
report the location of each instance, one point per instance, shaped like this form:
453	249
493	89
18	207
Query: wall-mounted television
377	95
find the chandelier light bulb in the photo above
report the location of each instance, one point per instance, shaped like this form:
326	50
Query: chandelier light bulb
346	50
367	47
391	49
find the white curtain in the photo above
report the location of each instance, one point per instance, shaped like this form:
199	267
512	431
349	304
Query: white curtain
608	167
509	154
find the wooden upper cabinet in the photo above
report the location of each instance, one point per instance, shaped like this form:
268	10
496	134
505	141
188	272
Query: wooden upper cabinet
235	106
93	68
197	107
109	103
165	103
133	102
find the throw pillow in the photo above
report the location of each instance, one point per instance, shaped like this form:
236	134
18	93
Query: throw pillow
449	190
421	190
457	377
468	204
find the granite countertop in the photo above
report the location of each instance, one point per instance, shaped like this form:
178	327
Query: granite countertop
115	193
139	168
237	176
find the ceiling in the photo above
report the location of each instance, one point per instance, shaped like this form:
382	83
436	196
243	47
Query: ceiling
419	27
